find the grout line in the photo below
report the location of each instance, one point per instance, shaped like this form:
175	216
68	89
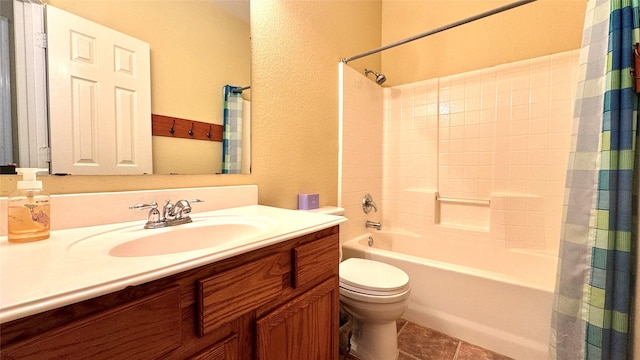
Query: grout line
409	355
456	353
403	326
455	356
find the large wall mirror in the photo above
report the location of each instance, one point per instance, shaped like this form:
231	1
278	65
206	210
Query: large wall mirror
196	48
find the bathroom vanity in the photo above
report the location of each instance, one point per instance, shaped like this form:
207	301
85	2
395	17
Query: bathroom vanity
277	299
279	303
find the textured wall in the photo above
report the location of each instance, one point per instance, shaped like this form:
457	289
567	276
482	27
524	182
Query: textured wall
295	100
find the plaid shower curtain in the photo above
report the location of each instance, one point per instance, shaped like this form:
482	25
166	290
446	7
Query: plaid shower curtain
232	131
594	288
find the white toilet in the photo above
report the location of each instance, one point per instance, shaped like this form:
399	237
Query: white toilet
375	294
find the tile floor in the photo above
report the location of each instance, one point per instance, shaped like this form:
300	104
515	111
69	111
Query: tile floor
419	343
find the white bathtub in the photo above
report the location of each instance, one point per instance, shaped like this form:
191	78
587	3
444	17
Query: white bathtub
485	294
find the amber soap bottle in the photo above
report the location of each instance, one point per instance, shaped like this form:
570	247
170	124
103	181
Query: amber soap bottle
29	209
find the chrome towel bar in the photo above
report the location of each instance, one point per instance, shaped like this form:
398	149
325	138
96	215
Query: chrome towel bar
463	200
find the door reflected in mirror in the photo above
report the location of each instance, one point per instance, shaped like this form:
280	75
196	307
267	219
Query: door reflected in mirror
196	49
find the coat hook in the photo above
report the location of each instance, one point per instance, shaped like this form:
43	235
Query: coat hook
191	130
172	130
209	133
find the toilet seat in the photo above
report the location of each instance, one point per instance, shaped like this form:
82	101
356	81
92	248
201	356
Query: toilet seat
346	295
372	278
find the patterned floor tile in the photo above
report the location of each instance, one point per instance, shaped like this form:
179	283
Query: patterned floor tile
420	343
427	344
472	352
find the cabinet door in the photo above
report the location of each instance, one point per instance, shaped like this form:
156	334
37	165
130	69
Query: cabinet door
305	328
226	349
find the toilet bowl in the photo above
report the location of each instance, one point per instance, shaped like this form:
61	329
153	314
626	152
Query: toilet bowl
375	294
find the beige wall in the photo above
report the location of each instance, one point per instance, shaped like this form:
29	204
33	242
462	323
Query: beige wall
297	48
541	28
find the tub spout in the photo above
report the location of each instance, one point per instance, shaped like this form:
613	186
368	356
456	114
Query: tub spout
373	224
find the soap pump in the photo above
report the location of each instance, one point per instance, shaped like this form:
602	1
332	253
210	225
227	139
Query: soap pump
29	209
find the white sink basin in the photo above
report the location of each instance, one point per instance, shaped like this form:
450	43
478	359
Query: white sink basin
204	232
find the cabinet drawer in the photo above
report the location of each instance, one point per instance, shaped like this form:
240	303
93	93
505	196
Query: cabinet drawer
142	329
226	296
314	259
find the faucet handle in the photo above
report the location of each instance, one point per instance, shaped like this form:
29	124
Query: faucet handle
176	211
153	205
367	204
153	218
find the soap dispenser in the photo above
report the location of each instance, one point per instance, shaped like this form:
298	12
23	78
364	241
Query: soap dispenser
29	209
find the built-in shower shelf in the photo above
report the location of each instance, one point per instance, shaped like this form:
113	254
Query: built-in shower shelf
463	200
463	213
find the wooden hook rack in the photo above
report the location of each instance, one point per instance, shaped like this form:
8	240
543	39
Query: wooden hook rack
183	128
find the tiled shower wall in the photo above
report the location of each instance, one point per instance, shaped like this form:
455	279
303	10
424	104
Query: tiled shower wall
362	111
493	143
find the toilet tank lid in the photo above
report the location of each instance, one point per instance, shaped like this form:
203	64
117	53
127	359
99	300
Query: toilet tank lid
372	275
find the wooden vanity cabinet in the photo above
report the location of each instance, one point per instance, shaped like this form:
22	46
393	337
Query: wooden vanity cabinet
280	302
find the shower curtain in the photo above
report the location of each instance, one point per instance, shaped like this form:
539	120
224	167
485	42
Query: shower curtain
232	130
594	287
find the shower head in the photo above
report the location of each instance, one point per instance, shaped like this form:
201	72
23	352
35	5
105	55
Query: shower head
380	78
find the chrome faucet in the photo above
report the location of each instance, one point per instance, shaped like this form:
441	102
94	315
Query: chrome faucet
181	207
373	224
172	214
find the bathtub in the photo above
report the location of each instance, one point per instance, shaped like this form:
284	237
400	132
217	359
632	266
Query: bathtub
476	291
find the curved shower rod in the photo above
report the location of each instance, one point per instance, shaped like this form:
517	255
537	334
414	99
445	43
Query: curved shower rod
442	28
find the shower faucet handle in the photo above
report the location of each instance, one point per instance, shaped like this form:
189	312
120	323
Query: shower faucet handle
368	204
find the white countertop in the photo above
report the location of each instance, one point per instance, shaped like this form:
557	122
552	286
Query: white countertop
44	275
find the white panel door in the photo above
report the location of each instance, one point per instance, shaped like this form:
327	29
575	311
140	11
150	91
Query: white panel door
99	98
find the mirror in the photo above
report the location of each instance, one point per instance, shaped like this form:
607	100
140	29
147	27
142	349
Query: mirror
196	48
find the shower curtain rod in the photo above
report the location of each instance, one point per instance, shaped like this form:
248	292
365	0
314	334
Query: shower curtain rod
442	28
239	91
